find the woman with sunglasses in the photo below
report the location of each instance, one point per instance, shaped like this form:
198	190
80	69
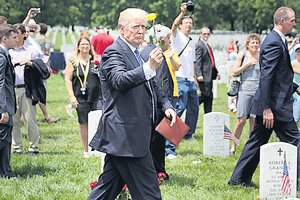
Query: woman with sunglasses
83	85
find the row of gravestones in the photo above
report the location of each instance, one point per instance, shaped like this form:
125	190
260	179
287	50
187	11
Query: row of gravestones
214	144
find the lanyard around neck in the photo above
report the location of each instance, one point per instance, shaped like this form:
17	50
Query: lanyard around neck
85	73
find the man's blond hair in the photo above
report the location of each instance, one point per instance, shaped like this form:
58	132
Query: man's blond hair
131	13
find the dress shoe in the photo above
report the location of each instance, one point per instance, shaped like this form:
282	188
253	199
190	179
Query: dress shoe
190	137
17	152
32	153
246	185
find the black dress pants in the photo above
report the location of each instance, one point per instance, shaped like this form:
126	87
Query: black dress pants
5	152
247	163
138	173
206	95
157	148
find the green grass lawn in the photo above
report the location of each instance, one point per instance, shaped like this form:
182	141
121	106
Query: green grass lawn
51	34
68	39
61	172
58	41
76	35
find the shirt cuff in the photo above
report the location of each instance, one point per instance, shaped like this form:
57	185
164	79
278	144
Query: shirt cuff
149	73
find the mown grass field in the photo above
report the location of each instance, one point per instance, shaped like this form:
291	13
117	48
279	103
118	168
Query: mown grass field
61	172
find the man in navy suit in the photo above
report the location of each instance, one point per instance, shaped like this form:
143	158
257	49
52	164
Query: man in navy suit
272	102
8	40
130	99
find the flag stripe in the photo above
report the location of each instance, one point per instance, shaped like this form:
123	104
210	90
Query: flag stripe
229	136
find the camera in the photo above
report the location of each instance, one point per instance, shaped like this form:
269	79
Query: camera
36	11
190	6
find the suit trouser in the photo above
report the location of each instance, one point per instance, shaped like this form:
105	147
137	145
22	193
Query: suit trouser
138	173
206	96
157	148
5	151
25	107
247	163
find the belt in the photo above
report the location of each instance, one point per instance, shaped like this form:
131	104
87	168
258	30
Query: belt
20	86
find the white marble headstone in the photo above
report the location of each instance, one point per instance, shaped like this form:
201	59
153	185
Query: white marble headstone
93	122
271	169
213	133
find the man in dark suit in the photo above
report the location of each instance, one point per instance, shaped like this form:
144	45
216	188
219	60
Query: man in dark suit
205	69
130	98
165	81
8	40
272	102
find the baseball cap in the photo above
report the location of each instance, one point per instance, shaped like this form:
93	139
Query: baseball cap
100	27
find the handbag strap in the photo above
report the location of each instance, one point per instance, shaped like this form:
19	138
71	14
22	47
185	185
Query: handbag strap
184	47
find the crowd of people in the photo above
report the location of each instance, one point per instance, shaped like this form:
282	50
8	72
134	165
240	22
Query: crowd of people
136	87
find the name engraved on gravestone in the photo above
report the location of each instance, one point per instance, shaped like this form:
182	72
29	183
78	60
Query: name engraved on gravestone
271	169
213	132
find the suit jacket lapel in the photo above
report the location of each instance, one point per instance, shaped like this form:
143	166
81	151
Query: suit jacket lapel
131	57
279	38
9	60
128	52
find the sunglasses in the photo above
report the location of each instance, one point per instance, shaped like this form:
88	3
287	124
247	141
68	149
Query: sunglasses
33	31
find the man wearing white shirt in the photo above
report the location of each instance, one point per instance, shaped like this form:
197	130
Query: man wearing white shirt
130	100
206	70
272	102
187	84
21	56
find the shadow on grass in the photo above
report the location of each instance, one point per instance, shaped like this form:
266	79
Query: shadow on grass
53	153
186	152
29	170
52	137
181	180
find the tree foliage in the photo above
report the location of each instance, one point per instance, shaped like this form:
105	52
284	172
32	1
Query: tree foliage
246	15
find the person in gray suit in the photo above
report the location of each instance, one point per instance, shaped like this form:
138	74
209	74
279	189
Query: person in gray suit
131	99
8	40
205	69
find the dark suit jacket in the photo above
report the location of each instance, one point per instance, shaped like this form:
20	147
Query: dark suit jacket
7	93
7	81
126	124
203	65
276	79
163	76
33	78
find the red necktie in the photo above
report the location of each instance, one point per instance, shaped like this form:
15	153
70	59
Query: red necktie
211	56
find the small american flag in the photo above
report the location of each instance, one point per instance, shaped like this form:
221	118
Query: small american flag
229	136
286	182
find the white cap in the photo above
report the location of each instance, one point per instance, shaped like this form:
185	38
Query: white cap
32	23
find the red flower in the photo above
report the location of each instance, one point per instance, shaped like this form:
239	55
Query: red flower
159	182
93	184
96	62
124	188
162	175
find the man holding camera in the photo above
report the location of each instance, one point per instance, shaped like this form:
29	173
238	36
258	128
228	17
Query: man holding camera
187	84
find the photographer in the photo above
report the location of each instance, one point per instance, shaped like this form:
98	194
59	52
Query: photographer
187	83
